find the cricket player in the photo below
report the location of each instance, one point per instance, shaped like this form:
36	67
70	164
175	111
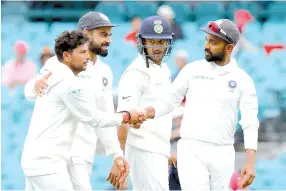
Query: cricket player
216	88
68	100
98	27
144	82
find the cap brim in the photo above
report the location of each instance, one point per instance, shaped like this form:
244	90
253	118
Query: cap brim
207	30
102	25
158	37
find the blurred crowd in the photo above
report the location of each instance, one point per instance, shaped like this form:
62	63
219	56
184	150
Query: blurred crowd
20	69
12	69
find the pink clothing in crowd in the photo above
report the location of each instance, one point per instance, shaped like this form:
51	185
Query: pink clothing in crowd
19	70
18	73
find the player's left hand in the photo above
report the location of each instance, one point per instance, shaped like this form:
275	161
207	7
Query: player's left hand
118	173
247	175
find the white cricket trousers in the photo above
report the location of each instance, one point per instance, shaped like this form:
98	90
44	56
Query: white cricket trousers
80	172
148	171
204	166
57	182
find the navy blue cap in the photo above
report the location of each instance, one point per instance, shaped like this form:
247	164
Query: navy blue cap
155	27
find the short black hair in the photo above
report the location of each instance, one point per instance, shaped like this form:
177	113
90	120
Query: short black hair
68	41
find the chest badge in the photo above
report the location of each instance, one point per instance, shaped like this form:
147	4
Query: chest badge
104	81
232	84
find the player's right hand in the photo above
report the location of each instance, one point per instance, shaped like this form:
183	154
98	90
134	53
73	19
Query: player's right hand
133	117
149	113
42	84
136	118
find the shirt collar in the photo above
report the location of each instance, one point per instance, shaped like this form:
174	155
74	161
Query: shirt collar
226	68
151	63
64	69
91	64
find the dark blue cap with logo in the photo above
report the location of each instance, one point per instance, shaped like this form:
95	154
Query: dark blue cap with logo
155	27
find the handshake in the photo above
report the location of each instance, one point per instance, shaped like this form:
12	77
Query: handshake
136	117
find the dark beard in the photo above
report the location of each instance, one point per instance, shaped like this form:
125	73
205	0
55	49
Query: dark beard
215	58
97	50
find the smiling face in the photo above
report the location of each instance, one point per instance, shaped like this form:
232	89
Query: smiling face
100	39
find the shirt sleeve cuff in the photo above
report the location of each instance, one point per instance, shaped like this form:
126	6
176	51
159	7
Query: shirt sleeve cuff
250	138
118	119
158	111
117	154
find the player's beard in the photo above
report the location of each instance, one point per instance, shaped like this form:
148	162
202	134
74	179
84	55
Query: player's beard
218	57
97	49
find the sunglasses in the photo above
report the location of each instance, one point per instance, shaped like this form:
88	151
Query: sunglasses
216	28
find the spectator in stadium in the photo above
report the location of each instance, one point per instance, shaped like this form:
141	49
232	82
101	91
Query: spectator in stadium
131	36
45	55
169	14
242	18
20	70
181	59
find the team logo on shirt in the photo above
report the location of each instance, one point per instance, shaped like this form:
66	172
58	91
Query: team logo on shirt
104	81
82	76
232	84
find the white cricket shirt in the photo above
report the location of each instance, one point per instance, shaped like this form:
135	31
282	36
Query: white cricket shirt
140	87
54	121
214	95
100	77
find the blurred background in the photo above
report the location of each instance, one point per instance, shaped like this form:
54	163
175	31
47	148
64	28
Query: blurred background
29	29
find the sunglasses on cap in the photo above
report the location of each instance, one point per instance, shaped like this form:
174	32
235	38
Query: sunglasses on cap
217	29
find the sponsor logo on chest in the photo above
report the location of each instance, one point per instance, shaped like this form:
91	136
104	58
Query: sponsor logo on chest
202	77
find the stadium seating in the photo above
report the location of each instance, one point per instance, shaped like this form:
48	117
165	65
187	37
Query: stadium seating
115	11
270	174
267	72
276	12
141	9
254	8
182	11
207	11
